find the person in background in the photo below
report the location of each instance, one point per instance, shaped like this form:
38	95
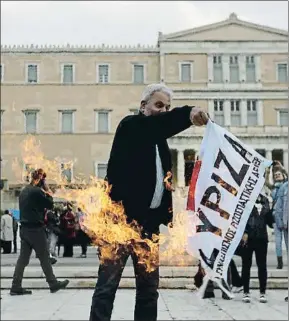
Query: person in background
32	203
82	237
68	227
281	214
6	232
279	179
256	240
53	232
15	231
42	183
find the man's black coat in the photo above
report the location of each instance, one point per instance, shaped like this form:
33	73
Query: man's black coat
132	164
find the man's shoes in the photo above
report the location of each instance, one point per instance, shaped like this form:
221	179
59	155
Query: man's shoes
82	256
246	298
263	298
20	291
59	285
225	296
53	260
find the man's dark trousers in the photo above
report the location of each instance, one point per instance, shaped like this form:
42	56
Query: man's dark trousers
109	275
33	238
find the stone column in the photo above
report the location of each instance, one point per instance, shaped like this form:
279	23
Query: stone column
242	68
285	159
260	116
162	67
211	109
227	113
210	68
268	154
181	169
258	68
226	68
243	112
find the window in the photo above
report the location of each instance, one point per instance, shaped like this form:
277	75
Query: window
67	74
186	72
250	69
138	74
101	170
66	172
32	73
235	113
252	113
103	74
283	73
27	171
283	118
262	152
219	112
67	120
1	72
30	121
234	69
102	121
218	69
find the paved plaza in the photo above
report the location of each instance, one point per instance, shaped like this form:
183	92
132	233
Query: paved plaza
173	305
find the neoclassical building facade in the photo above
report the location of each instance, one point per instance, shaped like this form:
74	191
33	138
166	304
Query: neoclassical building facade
72	98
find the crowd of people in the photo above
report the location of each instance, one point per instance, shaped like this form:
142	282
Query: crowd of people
139	159
64	228
255	239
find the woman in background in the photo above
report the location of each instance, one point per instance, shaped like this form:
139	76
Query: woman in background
257	241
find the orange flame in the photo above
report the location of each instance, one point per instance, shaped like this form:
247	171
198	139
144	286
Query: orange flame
105	220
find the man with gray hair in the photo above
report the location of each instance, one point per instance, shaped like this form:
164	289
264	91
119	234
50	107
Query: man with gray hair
139	161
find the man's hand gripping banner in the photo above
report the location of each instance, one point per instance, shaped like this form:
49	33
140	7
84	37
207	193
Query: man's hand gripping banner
225	184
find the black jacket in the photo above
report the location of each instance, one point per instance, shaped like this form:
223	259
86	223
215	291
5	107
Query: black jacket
132	164
32	202
53	222
257	224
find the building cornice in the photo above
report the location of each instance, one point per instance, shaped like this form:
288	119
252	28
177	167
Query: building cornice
77	49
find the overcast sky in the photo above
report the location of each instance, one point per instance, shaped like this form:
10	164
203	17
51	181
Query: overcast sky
123	22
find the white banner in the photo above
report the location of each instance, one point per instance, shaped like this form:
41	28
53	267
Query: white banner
224	187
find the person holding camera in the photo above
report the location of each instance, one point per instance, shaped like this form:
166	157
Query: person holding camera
256	240
33	201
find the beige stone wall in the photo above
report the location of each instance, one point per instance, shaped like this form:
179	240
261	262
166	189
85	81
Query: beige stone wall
270	112
85	66
269	69
83	150
197	103
200	70
49	99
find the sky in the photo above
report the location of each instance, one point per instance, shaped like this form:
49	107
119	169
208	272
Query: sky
123	22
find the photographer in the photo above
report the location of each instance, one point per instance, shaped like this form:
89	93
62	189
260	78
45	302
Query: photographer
256	240
32	203
279	178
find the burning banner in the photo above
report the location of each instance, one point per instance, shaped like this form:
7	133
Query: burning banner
224	187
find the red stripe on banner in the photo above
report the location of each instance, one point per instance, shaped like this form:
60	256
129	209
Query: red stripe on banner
191	195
